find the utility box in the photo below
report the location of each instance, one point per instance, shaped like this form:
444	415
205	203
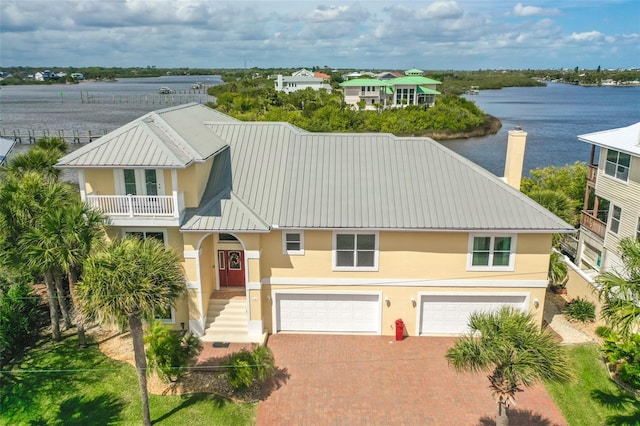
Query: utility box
399	330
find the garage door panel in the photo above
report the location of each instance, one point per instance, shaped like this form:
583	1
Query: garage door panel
328	312
449	314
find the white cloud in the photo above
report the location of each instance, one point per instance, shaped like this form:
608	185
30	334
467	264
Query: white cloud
588	36
524	11
339	33
441	10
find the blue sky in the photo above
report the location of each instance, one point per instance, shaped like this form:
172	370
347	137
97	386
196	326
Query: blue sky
431	35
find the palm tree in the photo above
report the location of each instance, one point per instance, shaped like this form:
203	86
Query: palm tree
558	270
24	202
59	244
510	345
37	159
82	231
620	291
556	202
125	284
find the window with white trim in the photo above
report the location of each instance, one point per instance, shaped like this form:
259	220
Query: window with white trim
166	315
491	252
144	234
355	251
614	221
617	165
293	243
638	230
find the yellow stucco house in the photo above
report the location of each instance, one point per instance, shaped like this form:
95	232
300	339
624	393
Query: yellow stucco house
317	232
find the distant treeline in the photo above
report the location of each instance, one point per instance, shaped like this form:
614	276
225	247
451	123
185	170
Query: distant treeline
453	82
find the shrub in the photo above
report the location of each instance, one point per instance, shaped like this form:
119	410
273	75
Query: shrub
169	352
244	367
624	354
20	317
581	310
241	370
604	331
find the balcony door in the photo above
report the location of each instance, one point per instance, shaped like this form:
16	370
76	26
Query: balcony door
140	182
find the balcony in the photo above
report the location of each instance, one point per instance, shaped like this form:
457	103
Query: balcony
593	224
592	173
137	206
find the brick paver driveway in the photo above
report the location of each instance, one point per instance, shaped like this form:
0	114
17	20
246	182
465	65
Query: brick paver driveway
372	380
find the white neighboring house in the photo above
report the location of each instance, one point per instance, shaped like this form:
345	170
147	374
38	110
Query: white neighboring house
612	199
303	73
300	80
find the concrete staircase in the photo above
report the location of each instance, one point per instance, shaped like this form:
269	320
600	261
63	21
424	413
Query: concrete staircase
227	321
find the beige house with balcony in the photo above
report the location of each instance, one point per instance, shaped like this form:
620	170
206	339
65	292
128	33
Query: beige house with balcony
612	199
411	89
282	230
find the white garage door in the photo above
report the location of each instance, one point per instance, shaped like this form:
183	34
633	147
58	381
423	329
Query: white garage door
347	313
449	314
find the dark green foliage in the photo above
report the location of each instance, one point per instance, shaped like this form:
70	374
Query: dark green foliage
244	367
320	111
169	352
569	180
241	370
621	292
20	319
603	331
557	270
624	354
581	309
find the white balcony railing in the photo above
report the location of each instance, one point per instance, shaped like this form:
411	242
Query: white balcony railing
135	205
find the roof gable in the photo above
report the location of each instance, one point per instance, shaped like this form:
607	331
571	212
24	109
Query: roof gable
169	138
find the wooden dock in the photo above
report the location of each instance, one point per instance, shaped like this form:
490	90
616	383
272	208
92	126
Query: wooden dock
31	136
176	98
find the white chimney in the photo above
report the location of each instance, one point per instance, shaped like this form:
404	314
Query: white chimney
515	157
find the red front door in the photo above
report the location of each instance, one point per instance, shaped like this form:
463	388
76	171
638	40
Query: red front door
231	268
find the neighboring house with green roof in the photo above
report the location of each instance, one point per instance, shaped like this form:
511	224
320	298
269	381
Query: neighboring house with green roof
411	89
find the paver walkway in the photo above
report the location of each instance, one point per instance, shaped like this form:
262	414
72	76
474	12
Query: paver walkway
373	380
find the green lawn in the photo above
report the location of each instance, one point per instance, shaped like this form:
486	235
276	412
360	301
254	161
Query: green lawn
594	399
59	384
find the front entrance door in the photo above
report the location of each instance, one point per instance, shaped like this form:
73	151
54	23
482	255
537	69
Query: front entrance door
231	268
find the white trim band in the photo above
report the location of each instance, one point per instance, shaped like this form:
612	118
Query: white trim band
407	283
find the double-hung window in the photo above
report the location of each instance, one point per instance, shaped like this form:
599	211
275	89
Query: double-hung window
355	251
293	243
617	165
614	221
492	252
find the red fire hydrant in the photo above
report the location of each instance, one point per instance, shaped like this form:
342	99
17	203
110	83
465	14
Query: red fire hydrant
399	330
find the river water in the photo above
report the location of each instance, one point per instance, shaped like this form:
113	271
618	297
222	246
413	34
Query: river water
113	104
552	116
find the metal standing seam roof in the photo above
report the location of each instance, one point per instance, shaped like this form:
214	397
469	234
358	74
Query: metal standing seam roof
275	174
294	179
169	138
625	139
412	80
364	82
